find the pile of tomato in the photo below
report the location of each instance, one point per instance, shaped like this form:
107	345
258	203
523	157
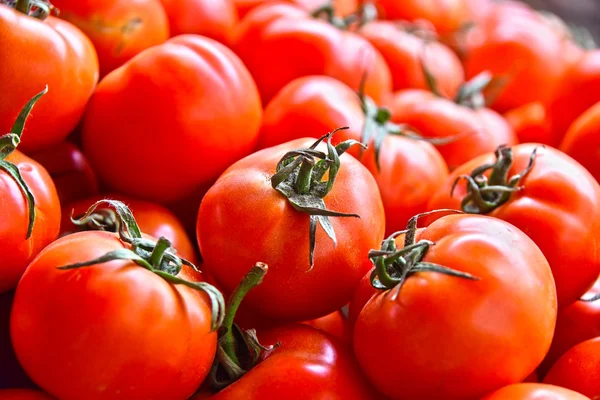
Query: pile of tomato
301	199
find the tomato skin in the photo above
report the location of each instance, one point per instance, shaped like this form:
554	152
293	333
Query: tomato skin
14	218
403	52
23	394
71	172
531	123
341	7
501	334
218	99
334	324
291	291
534	391
120	318
215	19
578	369
306	46
555	188
58	55
476	131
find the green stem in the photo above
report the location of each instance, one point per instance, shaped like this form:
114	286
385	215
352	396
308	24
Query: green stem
159	250
304	177
23	6
382	274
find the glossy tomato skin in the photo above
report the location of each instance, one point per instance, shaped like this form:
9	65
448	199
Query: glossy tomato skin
534	391
341	7
211	119
531	123
292	290
500	335
58	55
334	324
71	172
121	321
23	394
14	218
559	208
309	364
476	131
215	19
578	369
403	52
306	46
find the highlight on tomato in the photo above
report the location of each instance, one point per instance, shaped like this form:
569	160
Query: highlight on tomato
547	195
40	50
119	315
469	295
534	391
339	7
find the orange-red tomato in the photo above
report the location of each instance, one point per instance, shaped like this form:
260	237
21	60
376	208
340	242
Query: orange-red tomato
334	324
534	391
341	7
281	42
476	131
23	394
530	123
404	52
215	19
583	139
190	97
37	53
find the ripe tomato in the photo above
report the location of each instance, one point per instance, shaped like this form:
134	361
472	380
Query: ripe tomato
306	46
558	206
334	324
534	391
582	140
579	369
476	131
531	123
215	19
71	172
57	55
341	7
405	52
301	266
23	394
212	115
114	327
499	336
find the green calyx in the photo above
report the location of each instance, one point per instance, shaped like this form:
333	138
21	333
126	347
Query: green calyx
104	219
299	178
39	9
327	12
8	144
158	257
486	194
393	266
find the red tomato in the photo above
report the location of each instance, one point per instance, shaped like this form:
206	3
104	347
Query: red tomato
293	290
579	369
209	119
303	46
334	324
583	138
534	391
215	19
341	7
558	207
476	131
530	123
23	394
435	327
58	55
71	172
404	53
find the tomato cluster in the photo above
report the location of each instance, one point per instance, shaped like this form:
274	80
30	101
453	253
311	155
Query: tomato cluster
297	199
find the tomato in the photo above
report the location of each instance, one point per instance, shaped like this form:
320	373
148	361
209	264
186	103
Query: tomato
491	325
213	115
302	266
71	172
153	219
215	19
534	391
530	123
58	55
582	140
30	212
334	324
579	369
404	53
341	7
281	42
558	206
475	131
23	394
114	326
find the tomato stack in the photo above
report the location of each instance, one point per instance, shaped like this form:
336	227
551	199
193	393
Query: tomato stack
301	199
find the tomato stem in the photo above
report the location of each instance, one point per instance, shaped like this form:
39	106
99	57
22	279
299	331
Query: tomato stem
23	6
159	250
39	9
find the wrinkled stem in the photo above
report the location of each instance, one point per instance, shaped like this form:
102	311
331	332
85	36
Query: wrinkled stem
159	250
304	177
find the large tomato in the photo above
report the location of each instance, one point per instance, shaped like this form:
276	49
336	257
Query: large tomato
215	19
36	53
547	195
23	394
281	42
119	29
190	97
534	391
531	123
583	138
294	226
341	7
30	212
136	327
430	334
